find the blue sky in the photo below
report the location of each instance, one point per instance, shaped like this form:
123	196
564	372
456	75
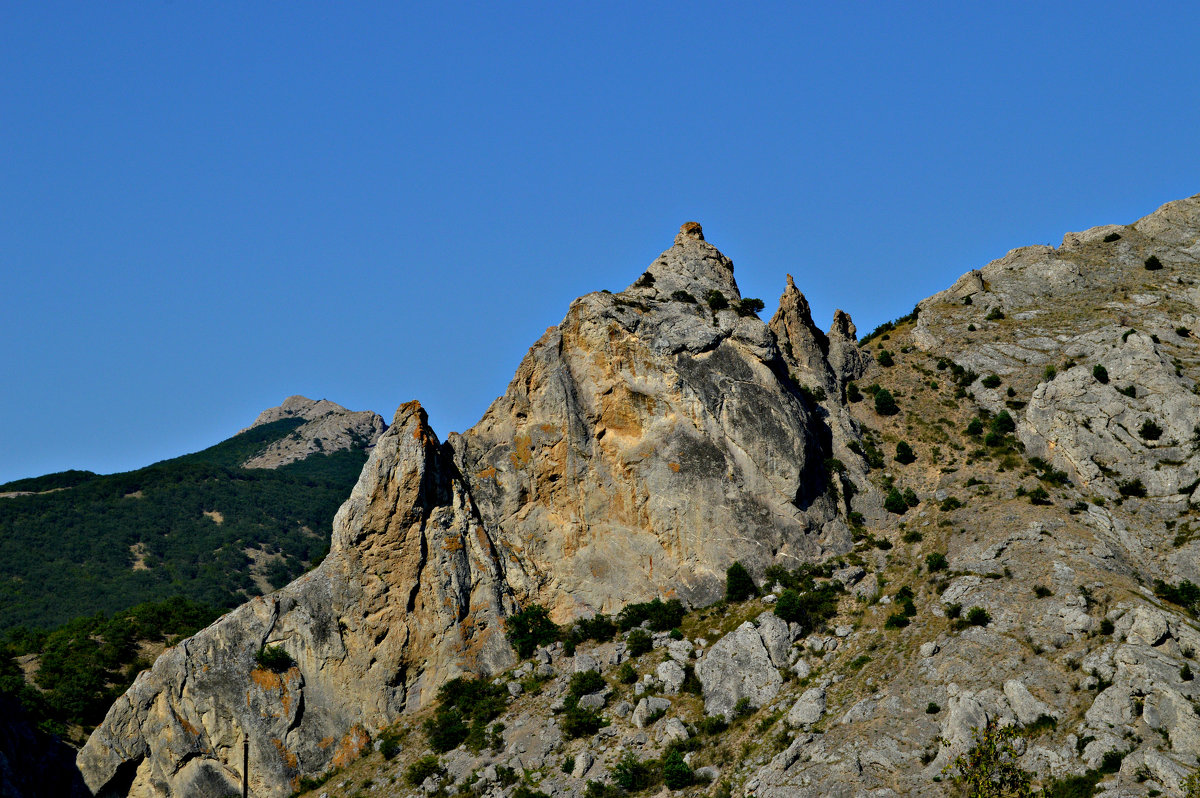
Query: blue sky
205	208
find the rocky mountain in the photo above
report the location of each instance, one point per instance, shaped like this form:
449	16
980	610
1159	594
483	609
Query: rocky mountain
327	427
981	515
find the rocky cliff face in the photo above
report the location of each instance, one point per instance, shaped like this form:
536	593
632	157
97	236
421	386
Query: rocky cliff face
328	427
648	441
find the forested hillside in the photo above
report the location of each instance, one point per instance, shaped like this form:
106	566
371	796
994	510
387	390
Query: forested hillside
197	526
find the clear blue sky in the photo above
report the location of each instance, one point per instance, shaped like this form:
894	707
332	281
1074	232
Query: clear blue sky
206	207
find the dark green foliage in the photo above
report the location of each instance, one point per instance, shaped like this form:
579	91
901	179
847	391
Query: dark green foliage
712	724
744	708
949	504
995	314
66	553
577	721
1041	591
626	674
750	306
1049	373
525	791
975	427
1111	237
1043	724
1003	423
58	481
585	682
1039	496
1150	431
568	764
936	562
1185	673
978	616
530	628
910	497
639	642
691	682
422	769
953	611
645	281
274	658
885	403
661	615
858	662
599	627
894	502
1107	627
675	773
990	381
932	708
884	358
716	300
680	295
808	604
1185	594
896	620
600	789
888	326
1182	332
1111	761
852	393
1153	264
904	453
1129	390
912	536
990	769
632	774
1081	786
1132	487
739	585
88	662
812	395
1049	473
1100	373
465	707
389	743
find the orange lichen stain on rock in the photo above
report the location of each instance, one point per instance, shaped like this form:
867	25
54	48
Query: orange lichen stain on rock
187	727
287	756
452	544
351	746
487	473
674	467
549	428
267	680
523	454
325	743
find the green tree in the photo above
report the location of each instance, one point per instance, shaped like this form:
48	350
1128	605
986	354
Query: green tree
885	403
989	769
894	502
675	772
739	585
530	628
904	453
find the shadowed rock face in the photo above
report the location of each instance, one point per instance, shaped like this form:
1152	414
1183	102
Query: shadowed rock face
644	444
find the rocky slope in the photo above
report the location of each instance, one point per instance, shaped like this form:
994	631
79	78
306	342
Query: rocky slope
327	428
648	441
999	566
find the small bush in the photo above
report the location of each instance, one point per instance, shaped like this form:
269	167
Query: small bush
990	381
750	306
852	393
632	774
885	403
626	674
1049	373
739	585
661	616
716	300
675	772
1185	673
995	315
975	427
1100	373
897	620
389	743
978	616
910	497
953	611
894	503
422	769
639	642
1150	431
274	658
585	682
683	296
576	722
1153	264
1111	237
932	709
1132	487
1003	423
1041	591
744	708
949	504
904	453
530	628
936	562
1039	496
885	359
1107	627
1129	390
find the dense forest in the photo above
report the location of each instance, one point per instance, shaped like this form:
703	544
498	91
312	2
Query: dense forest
98	571
181	527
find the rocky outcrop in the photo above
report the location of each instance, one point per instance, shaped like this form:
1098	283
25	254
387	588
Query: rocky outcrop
410	595
815	359
327	428
737	668
645	443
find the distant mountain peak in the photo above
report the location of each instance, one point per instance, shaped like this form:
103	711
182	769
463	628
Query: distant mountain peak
328	427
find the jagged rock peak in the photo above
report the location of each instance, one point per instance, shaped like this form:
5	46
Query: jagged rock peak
804	345
328	427
843	327
691	265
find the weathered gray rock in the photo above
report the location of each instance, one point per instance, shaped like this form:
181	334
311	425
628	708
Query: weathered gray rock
327	428
646	709
1024	705
776	638
736	667
671	675
808	708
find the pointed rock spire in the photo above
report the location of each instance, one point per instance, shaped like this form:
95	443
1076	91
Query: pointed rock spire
846	360
692	266
804	345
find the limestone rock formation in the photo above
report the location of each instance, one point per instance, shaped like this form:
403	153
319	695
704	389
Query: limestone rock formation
327	428
644	444
410	595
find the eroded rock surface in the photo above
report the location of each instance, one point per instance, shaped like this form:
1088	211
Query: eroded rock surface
327	428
